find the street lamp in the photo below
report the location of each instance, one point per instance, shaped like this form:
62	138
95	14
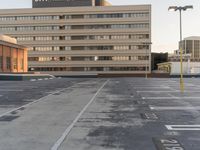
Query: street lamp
147	56
180	9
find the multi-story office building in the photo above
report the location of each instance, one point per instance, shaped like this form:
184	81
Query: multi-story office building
68	3
191	45
90	39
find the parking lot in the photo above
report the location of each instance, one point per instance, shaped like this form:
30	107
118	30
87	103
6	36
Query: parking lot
100	114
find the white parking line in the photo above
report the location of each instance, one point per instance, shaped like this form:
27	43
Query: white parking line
157	91
33	80
183	127
36	101
69	128
174	108
11	90
168	98
40	79
164	87
174	91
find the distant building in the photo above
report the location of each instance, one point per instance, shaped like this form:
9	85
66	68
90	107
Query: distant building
176	58
191	45
68	3
83	40
13	57
157	58
174	68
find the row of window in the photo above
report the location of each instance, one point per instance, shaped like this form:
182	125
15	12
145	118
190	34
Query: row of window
57	17
90	58
66	48
68	27
87	37
37	38
8	63
109	26
13	18
89	69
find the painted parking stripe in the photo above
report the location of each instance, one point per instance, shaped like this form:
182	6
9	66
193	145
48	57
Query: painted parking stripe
33	80
174	97
152	88
40	79
174	108
174	91
11	90
36	101
183	127
69	128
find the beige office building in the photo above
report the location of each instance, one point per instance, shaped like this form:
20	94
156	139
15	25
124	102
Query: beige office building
83	40
191	45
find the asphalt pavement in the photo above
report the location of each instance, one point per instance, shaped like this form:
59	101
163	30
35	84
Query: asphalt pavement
100	114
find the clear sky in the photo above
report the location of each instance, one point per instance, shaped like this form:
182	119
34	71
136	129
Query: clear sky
165	25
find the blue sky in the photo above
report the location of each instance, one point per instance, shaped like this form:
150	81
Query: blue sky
165	25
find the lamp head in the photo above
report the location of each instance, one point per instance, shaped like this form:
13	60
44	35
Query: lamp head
173	8
188	7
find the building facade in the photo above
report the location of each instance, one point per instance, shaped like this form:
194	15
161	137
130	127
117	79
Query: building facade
106	39
68	3
191	45
173	68
13	57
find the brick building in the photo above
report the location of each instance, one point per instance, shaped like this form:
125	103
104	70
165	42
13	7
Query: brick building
13	57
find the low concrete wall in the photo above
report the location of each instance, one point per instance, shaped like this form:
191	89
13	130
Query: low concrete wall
151	75
22	77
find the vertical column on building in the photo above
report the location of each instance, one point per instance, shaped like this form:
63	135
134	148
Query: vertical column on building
1	55
25	58
11	60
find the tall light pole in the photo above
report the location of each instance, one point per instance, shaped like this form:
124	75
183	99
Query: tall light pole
180	9
147	58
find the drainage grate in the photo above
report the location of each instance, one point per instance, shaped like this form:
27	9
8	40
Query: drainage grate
136	102
149	116
8	118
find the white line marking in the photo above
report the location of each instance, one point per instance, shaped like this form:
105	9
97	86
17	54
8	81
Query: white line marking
168	98
69	128
50	78
33	80
36	101
158	91
46	78
11	90
183	127
26	105
40	79
174	108
152	88
174	91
